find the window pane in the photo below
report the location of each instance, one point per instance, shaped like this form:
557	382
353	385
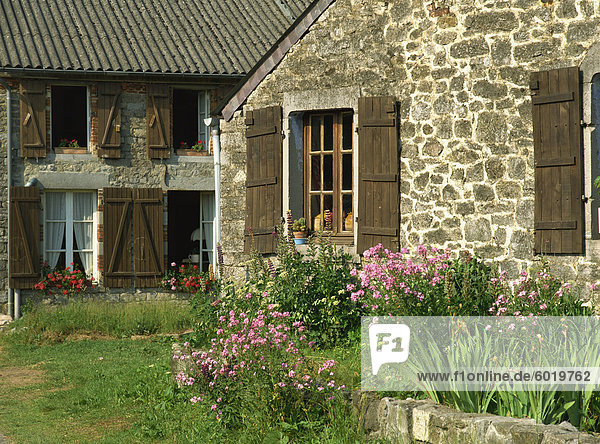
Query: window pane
81	261
315	133
55	240
82	236
347	211
83	206
315	212
328	172
315	173
346	172
328	210
328	133
347	131
208	207
55	206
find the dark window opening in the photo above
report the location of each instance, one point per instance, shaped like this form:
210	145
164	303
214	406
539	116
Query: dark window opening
190	228
69	116
185	118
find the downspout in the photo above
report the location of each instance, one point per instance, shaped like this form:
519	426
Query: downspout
213	123
12	310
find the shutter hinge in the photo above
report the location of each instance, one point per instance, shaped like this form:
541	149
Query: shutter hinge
584	198
282	134
585	124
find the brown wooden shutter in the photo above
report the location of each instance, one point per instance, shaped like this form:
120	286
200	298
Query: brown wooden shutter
24	237
109	120
378	188
263	178
117	237
158	122
559	206
148	236
33	118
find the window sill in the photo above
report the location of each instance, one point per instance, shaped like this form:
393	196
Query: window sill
71	150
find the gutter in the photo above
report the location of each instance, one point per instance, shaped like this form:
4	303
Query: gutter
13	309
213	123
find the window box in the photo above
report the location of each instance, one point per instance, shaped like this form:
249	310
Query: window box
81	150
189	152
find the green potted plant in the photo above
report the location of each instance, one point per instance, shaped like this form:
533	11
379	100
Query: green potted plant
300	231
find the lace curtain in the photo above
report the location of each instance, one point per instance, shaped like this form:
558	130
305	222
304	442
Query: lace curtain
55	228
83	225
208	216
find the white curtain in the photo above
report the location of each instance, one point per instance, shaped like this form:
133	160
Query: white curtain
55	231
83	226
208	217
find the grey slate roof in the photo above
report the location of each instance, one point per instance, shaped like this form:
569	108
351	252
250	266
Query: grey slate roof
202	37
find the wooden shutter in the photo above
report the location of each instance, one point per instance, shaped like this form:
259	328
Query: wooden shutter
109	120
24	237
148	236
378	188
263	178
33	118
158	122
559	206
117	237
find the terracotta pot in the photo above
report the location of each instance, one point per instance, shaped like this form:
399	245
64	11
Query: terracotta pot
300	234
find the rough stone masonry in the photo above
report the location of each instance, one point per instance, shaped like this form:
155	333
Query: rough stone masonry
460	70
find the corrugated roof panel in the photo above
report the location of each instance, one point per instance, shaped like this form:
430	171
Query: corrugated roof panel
183	36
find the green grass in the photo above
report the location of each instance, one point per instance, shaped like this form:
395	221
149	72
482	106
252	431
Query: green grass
55	323
60	388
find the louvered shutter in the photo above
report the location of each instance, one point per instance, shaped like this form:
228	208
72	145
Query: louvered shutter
559	207
263	178
33	118
148	236
117	237
378	188
109	120
158	122
24	237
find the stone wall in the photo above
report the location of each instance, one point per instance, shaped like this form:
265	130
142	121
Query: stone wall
89	172
460	70
410	421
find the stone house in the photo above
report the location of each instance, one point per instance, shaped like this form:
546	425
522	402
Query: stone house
100	106
466	124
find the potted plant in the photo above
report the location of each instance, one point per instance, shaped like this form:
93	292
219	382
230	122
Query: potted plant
199	146
300	231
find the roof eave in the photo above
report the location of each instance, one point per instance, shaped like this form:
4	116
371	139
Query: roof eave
236	98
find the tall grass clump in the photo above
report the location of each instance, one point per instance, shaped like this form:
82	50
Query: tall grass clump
55	322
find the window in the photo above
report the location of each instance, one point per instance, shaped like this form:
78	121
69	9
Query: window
190	108
328	174
191	237
69	229
70	121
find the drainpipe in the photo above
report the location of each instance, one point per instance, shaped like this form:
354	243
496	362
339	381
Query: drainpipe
12	311
213	123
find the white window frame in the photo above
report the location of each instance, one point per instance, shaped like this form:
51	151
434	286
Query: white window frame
203	222
88	112
69	232
203	113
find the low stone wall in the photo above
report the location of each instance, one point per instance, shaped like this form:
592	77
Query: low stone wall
411	421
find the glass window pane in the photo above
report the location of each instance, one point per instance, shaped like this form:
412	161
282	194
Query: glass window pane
315	133
346	172
328	172
315	212
315	173
328	211
328	133
82	235
347	212
55	206
208	207
347	131
83	206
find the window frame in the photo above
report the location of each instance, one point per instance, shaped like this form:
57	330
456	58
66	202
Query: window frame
204	134
69	233
210	251
341	235
84	149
